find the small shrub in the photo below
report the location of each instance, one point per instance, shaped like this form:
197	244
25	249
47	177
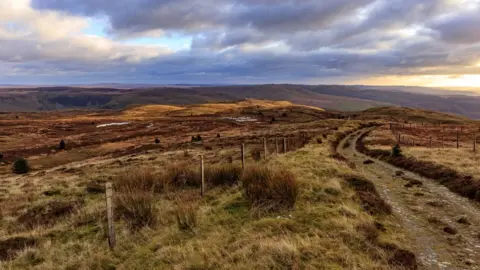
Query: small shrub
284	114
208	148
197	138
186	154
1	156
20	166
61	145
157	141
186	214
270	189
218	135
396	151
225	174
319	140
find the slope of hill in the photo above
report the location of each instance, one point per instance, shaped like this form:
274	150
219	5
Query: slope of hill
402	114
335	97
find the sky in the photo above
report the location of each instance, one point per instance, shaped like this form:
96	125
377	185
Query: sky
378	42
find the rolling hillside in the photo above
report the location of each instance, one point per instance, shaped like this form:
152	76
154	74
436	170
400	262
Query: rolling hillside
333	97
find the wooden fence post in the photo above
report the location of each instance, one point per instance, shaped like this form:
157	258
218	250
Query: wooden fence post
474	142
110	225
284	145
457	139
276	146
202	171
399	138
243	155
265	148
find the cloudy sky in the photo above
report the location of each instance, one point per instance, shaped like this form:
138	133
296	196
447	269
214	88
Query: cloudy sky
409	42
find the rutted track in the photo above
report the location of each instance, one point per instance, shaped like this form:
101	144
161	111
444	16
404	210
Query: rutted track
426	211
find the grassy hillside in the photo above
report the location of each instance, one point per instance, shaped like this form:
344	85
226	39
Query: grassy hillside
333	97
402	114
56	218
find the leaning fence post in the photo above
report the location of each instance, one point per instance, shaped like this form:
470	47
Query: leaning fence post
284	145
265	148
202	171
111	228
242	148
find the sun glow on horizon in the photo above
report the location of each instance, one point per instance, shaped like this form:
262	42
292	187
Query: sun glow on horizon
425	80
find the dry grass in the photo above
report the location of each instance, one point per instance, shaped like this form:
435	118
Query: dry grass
180	230
223	174
137	207
269	188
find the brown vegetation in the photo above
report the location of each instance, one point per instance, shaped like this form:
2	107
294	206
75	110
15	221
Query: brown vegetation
464	185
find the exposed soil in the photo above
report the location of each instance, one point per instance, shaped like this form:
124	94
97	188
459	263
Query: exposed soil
443	244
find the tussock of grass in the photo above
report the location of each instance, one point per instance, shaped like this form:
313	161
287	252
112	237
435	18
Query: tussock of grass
269	189
137	207
182	174
223	174
47	214
186	215
10	246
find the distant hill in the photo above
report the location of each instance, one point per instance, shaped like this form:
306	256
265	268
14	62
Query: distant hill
332	97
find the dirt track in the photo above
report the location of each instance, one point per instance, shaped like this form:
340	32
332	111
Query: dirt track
444	227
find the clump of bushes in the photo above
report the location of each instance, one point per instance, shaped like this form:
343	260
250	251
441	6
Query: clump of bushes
20	166
269	189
